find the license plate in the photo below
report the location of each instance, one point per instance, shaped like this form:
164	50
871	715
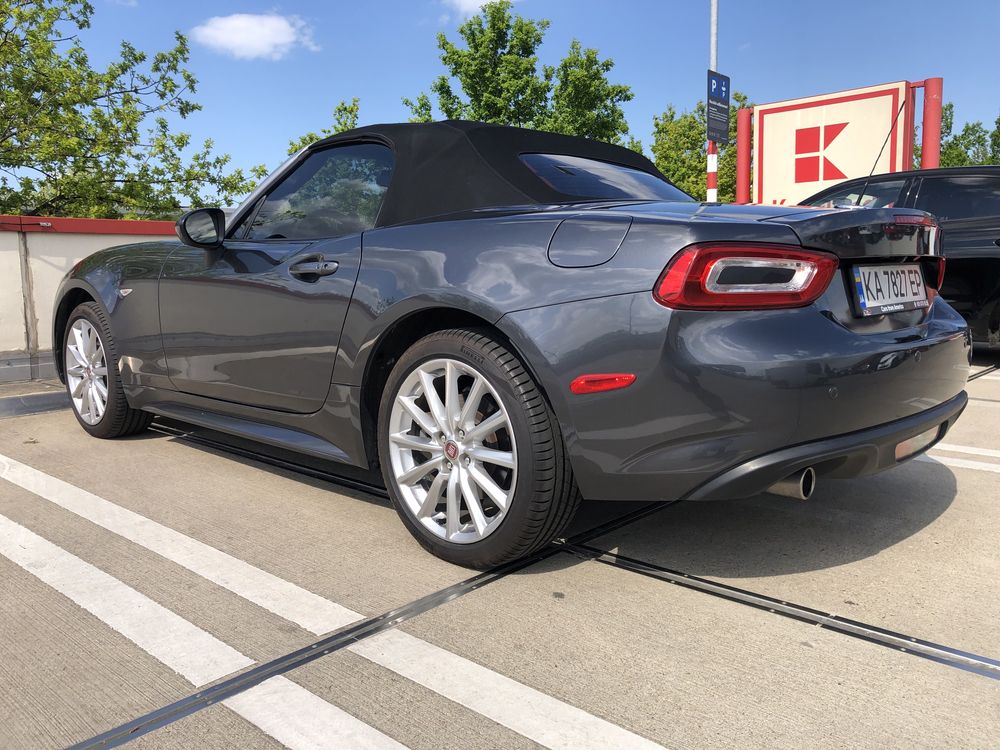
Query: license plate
890	288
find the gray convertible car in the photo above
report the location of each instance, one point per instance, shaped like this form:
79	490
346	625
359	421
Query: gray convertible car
496	322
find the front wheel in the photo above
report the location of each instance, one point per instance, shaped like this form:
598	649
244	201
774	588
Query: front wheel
471	454
94	385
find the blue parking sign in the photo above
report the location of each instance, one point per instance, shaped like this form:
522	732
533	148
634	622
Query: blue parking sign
718	107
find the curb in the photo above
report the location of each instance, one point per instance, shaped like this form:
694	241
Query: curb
33	403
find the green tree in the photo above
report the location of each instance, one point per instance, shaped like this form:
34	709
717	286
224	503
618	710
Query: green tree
969	147
995	142
680	149
75	140
345	117
493	75
583	101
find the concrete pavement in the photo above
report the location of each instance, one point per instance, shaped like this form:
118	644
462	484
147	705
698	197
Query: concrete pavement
140	571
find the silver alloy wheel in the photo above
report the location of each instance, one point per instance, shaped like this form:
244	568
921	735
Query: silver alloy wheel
86	371
452	450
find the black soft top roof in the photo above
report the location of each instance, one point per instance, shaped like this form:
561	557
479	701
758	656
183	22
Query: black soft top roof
457	165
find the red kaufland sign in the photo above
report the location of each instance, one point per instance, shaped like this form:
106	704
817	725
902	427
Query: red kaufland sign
804	145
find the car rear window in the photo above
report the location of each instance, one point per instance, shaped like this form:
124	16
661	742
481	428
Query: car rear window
600	180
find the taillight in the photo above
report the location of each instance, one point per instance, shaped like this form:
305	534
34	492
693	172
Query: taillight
922	220
727	276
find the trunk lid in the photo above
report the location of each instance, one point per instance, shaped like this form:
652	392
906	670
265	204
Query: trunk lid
864	232
849	233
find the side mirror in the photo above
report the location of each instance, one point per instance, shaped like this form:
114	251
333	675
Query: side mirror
203	227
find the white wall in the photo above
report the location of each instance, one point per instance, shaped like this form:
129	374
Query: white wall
50	254
12	333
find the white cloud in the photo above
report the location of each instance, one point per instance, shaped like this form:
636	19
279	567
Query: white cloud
465	8
462	9
126	3
251	36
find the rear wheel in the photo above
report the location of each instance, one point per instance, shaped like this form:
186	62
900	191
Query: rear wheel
470	451
92	379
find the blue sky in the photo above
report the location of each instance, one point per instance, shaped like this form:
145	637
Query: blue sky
264	81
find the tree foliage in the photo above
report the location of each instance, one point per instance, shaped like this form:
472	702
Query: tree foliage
75	140
345	117
680	149
971	146
493	75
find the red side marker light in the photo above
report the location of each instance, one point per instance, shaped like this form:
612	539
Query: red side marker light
608	381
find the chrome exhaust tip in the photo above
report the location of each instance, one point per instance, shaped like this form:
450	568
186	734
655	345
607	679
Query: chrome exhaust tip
798	486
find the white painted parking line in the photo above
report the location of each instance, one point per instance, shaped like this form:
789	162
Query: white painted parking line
544	719
967	449
197	656
302	720
984	402
529	712
289	713
304	608
960	463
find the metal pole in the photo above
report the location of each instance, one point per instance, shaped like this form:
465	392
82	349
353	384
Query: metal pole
743	135
712	176
930	141
713	38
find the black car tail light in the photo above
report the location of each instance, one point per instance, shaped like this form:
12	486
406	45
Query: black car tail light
736	276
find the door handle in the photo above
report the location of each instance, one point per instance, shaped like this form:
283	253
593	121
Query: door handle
314	267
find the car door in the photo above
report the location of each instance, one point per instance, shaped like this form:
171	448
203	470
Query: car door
258	321
967	207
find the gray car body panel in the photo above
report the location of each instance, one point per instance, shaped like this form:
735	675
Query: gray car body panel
714	390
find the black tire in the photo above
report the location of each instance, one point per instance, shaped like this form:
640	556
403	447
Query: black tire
119	419
545	495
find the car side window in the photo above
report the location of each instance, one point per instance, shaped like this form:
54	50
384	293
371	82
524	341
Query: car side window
876	195
334	192
960	197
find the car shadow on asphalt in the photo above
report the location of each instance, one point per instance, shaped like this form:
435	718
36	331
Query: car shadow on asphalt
766	535
260	465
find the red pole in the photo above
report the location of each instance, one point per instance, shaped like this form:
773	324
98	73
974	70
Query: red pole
712	175
743	135
930	142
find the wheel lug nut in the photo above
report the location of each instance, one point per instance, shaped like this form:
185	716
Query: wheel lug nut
467	460
461	434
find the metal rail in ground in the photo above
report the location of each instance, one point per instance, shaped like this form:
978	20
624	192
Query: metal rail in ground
982	665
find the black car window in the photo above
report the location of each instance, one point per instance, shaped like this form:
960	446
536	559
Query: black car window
600	180
876	195
960	197
334	192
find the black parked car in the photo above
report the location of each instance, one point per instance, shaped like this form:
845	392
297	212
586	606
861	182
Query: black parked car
495	321
966	203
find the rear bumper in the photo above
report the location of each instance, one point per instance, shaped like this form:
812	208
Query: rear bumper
855	454
717	393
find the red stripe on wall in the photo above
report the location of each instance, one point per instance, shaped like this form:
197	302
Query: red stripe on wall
60	225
